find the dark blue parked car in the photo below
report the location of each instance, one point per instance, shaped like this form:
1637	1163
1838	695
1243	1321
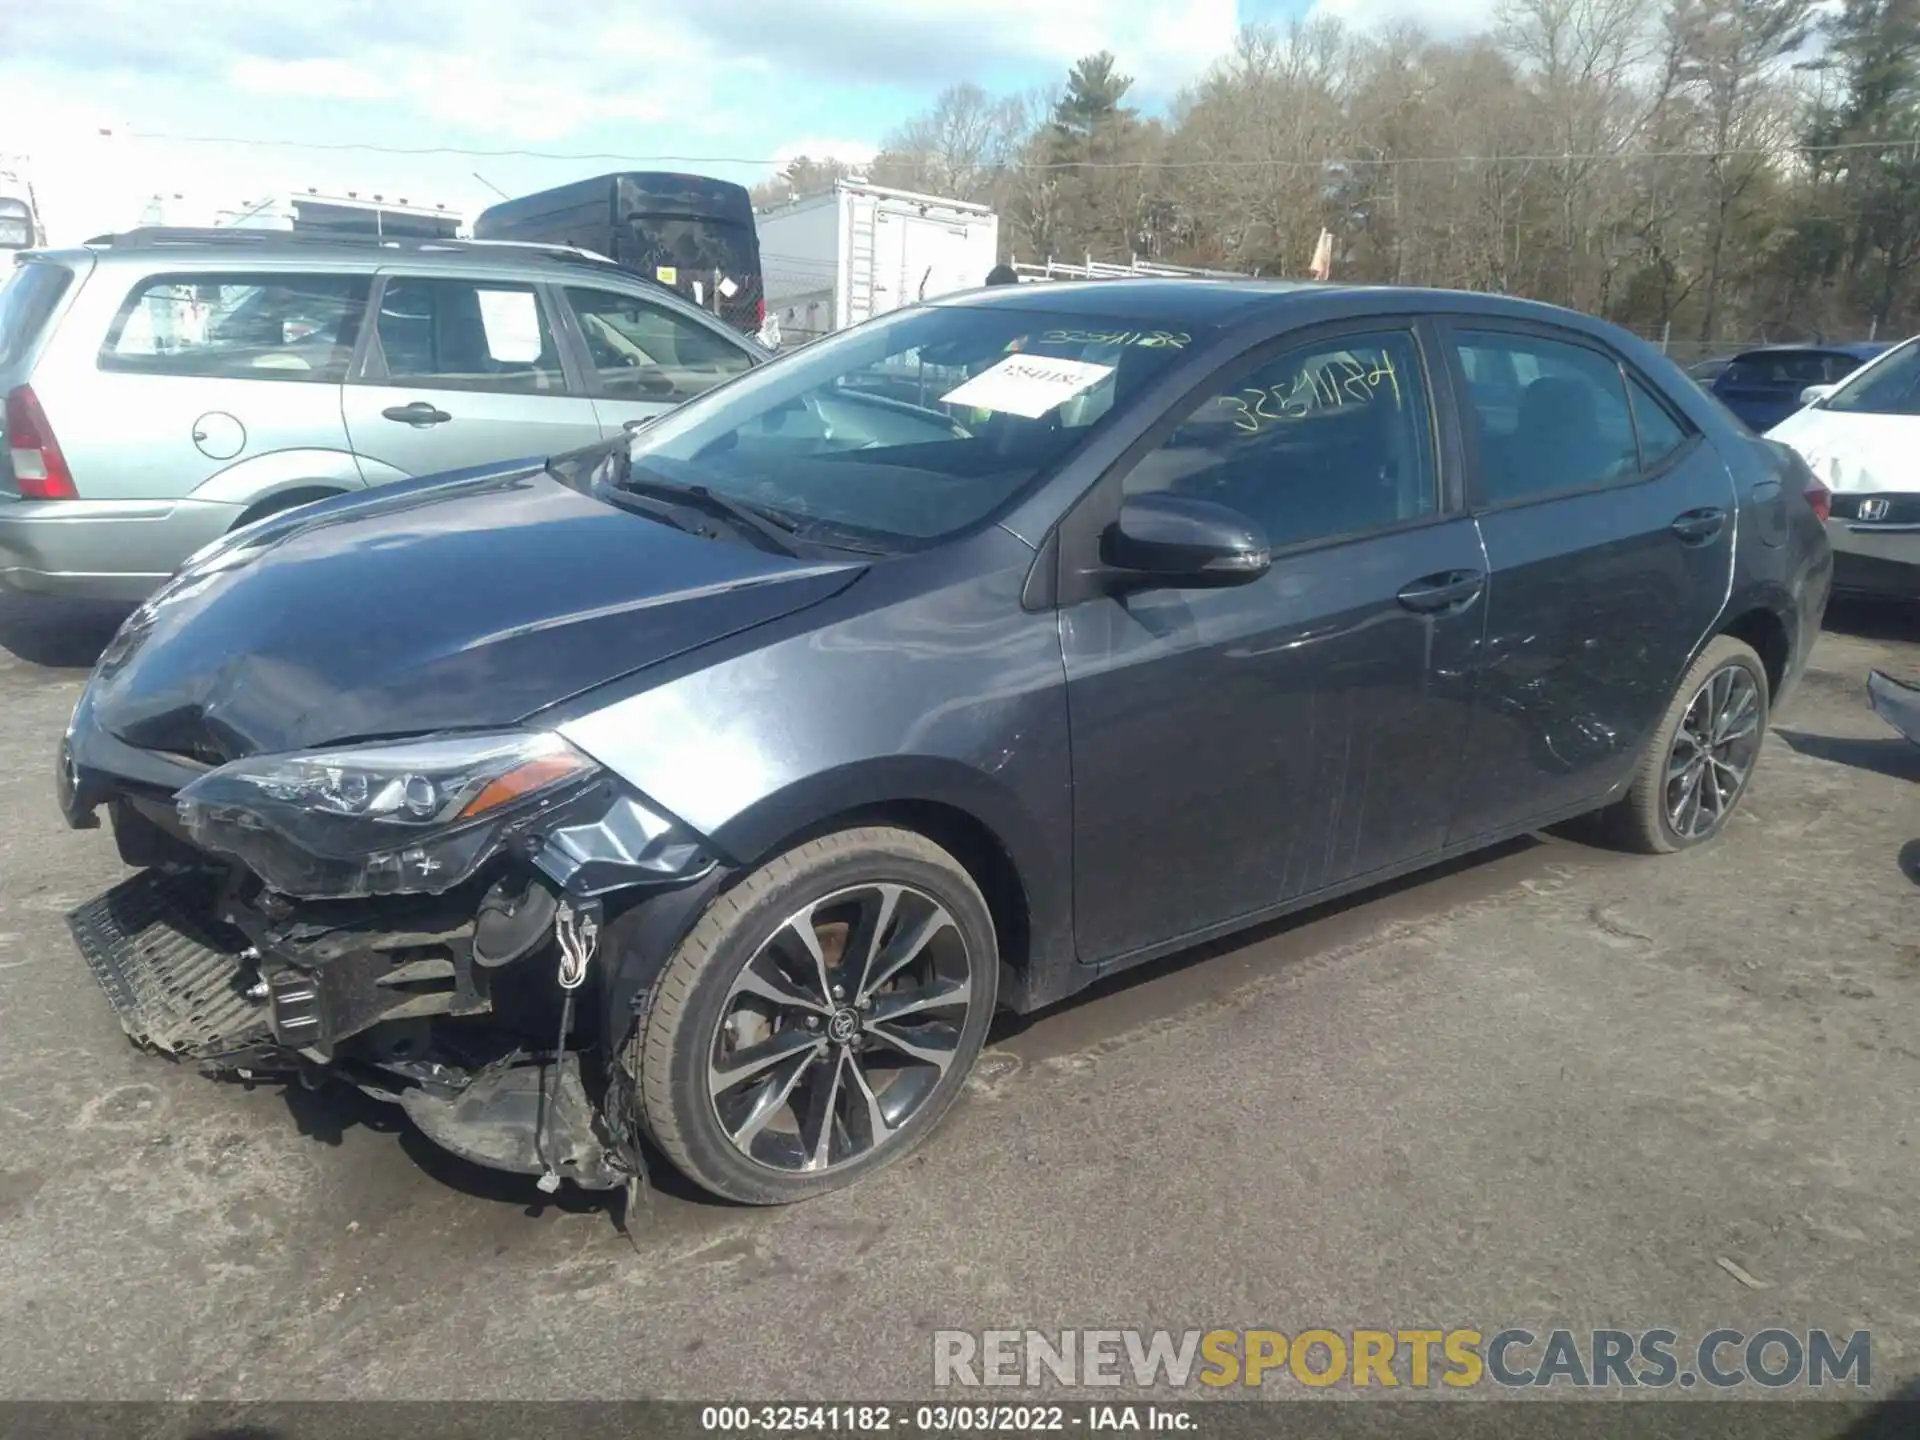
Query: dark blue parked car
1763	386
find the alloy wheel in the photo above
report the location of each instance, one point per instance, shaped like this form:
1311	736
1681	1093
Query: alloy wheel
838	1029
1713	752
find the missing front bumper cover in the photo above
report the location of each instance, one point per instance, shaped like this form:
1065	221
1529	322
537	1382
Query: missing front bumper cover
386	995
177	979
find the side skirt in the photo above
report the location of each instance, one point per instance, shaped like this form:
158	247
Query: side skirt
1050	984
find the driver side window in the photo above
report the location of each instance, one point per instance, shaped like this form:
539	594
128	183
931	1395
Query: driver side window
1327	440
641	351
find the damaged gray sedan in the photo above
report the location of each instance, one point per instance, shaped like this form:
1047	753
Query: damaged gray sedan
711	791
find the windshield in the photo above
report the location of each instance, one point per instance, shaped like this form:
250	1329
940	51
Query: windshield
913	427
1889	387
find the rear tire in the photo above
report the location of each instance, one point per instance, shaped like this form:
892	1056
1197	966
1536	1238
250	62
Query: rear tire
1698	764
819	1019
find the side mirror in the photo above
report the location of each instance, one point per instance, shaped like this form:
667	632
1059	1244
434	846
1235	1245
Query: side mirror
1814	394
1177	540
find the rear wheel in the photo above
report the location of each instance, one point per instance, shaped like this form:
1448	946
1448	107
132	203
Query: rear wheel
820	1018
1698	762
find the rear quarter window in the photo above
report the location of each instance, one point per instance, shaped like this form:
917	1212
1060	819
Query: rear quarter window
1776	372
27	299
272	326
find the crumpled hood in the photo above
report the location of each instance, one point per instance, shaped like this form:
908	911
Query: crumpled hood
453	604
1854	454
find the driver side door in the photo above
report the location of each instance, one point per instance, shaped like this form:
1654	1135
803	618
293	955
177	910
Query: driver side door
1236	749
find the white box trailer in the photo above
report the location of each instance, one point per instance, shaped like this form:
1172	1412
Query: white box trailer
831	261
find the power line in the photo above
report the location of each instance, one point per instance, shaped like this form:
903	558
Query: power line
1262	163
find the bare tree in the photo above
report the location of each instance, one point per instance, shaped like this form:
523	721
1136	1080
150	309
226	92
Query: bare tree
1580	57
959	149
1727	54
1634	158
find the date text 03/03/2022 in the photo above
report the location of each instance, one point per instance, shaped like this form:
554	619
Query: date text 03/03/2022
941	1419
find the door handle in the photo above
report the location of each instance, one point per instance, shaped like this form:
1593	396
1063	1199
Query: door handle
418	413
1697	527
1444	591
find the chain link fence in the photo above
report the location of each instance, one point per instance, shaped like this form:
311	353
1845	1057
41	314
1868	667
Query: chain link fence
1689	350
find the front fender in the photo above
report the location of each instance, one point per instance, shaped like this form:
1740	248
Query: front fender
644	939
261	477
924	683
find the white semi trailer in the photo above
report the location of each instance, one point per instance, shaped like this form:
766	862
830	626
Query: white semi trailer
834	260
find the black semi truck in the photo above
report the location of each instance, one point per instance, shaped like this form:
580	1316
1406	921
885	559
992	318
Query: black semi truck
691	233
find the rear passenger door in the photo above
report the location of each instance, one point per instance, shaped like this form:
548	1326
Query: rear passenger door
202	371
1608	526
642	358
462	372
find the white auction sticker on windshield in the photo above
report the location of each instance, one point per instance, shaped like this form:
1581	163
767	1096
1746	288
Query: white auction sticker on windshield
1028	385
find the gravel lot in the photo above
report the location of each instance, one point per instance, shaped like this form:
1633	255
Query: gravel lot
1554	1086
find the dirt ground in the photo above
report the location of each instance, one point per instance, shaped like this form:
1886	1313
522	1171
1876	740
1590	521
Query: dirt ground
1554	1086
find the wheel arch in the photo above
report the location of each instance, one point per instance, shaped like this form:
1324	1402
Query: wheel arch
971	841
1766	624
1000	845
991	833
289	498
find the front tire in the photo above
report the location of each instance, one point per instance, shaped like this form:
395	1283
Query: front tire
820	1017
1698	762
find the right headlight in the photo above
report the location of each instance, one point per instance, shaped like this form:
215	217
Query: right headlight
415	816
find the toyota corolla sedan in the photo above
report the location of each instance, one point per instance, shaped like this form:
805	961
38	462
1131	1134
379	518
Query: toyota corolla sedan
706	793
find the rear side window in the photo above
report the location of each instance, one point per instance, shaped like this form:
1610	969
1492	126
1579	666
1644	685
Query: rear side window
239	327
1793	370
1660	434
643	351
468	335
1551	417
26	300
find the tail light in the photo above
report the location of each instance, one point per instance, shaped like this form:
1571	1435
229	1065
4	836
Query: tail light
1820	498
760	310
39	469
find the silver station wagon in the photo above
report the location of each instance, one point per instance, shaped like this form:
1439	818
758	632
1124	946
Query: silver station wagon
164	386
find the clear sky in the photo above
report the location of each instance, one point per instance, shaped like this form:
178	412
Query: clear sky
753	79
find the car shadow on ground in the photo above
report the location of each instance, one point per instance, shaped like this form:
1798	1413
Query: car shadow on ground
326	1114
1873	619
58	634
1892	756
1086	1002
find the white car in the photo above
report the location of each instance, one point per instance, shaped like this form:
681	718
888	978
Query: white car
1862	438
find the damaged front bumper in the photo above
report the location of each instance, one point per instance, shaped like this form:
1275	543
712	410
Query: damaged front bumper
405	1014
454	1005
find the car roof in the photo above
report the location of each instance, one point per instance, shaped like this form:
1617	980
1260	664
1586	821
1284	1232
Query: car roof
165	248
1197	301
1857	349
